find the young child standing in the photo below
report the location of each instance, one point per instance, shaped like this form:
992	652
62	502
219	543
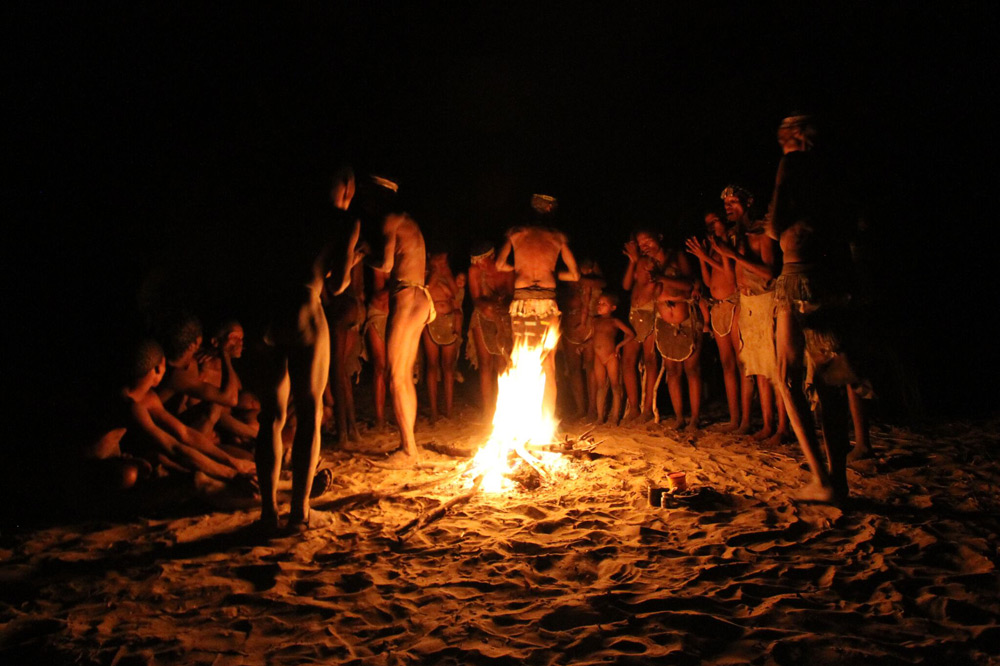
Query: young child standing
606	367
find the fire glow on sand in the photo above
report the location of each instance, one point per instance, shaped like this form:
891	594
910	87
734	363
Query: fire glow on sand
521	418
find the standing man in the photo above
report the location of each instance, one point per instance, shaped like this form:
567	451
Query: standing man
534	310
404	260
719	274
489	344
805	217
298	360
757	260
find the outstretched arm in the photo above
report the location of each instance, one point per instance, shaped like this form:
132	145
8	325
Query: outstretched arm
501	261
352	256
572	272
176	453
389	251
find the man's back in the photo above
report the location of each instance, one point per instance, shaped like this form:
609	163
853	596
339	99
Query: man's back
536	251
410	256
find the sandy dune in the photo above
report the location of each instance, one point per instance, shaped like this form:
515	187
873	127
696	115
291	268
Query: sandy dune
579	571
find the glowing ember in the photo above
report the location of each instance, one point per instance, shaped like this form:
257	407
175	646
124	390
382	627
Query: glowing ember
520	418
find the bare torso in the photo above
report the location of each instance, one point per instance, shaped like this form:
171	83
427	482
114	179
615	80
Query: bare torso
672	301
605	335
536	251
409	254
644	289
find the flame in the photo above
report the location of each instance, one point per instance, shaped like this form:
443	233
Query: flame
521	417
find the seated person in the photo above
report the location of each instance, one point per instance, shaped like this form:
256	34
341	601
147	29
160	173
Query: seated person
235	425
141	435
182	384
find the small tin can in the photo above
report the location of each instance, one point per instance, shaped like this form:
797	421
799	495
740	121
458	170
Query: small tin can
677	481
655	495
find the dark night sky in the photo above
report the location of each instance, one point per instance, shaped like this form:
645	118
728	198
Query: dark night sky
174	134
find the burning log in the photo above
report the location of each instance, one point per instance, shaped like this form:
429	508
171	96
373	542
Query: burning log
428	517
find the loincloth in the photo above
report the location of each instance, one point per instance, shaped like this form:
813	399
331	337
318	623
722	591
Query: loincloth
831	330
643	320
580	334
376	321
496	336
677	342
721	314
532	318
756	351
442	329
407	284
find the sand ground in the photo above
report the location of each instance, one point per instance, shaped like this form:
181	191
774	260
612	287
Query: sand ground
581	570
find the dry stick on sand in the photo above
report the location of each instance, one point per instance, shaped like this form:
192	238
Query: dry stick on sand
428	517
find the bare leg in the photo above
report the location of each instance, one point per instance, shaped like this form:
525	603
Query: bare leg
789	341
766	407
651	360
600	380
692	368
449	355
630	375
746	383
268	449
859	415
575	369
308	371
433	357
487	374
407	319
589	360
783	431
376	346
833	417
614	377
731	376
675	369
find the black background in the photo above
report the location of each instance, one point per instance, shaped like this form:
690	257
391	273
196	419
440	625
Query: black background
179	137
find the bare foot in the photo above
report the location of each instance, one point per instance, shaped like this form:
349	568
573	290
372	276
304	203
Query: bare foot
860	453
777	438
678	423
692	427
817	493
315	520
762	434
744	428
729	427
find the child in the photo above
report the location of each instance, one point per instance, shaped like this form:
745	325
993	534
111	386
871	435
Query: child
606	355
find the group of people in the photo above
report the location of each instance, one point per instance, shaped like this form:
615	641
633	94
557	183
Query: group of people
769	291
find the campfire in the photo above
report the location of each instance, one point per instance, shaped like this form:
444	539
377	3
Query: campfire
521	445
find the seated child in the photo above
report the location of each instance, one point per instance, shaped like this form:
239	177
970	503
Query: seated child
235	425
142	435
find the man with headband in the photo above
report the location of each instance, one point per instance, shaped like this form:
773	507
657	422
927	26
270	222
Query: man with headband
534	311
490	341
404	260
814	324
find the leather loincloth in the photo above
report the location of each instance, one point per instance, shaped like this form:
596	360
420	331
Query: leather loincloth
442	329
721	314
643	320
677	342
756	351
